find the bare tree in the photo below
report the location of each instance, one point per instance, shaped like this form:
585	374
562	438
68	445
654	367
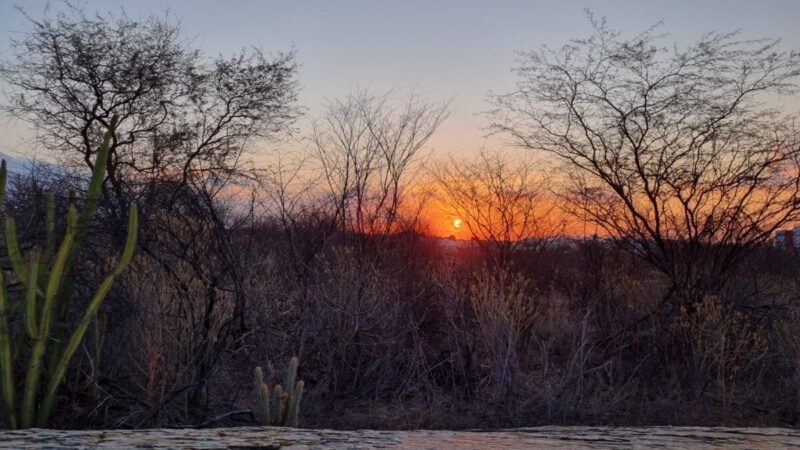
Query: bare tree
304	215
180	116
675	153
503	201
368	149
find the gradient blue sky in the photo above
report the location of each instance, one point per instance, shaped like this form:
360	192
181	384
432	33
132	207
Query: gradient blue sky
455	49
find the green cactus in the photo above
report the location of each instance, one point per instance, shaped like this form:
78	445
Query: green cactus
291	374
293	410
277	404
47	278
262	392
285	407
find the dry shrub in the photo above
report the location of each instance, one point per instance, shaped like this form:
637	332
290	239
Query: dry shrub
169	336
454	344
503	315
726	352
354	331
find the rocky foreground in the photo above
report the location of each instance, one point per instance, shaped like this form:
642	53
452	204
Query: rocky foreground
287	438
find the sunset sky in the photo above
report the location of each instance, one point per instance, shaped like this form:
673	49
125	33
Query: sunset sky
445	50
455	50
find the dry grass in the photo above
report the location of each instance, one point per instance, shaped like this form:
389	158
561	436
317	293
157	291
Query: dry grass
409	338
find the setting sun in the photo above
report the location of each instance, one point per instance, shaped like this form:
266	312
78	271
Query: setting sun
457	224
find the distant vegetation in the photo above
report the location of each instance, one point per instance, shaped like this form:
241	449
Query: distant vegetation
677	311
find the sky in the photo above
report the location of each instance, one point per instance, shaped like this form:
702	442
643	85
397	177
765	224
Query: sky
456	50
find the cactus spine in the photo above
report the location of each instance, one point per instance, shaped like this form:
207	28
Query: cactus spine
284	409
47	279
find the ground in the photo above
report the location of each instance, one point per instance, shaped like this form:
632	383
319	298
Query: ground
264	438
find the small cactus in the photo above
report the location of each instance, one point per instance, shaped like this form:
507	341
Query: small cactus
294	405
262	392
291	374
284	408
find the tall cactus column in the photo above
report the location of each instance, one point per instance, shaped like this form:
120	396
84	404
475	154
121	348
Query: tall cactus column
47	279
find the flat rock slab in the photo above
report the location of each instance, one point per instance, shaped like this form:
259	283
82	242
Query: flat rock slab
266	438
